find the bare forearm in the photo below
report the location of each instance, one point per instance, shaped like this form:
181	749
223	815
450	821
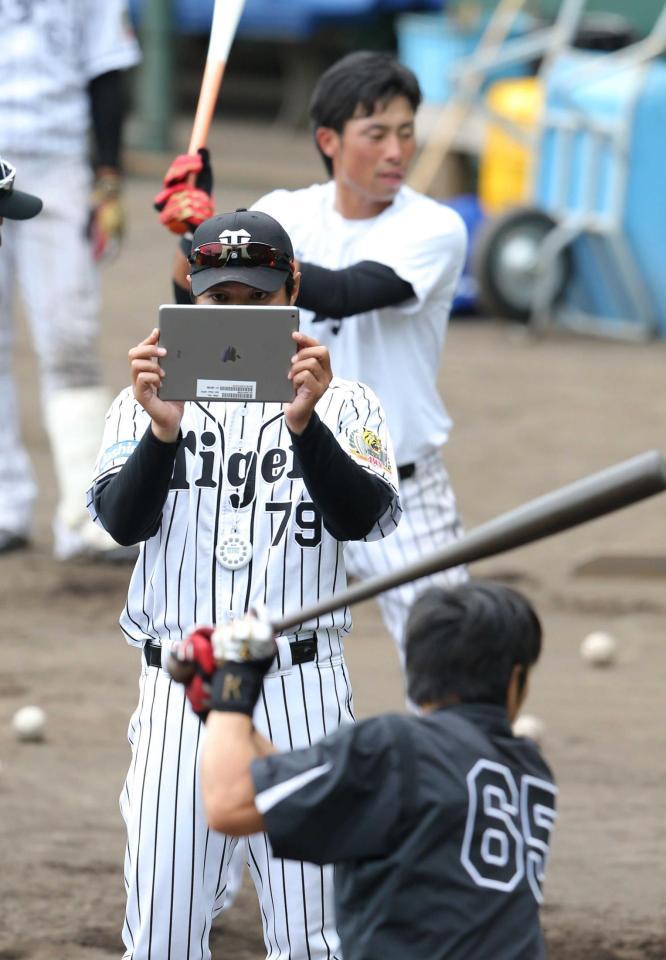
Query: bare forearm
230	746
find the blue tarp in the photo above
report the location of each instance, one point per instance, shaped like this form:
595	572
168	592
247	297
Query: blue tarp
294	19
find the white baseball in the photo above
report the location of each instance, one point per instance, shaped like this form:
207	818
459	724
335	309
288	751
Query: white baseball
29	723
527	725
599	649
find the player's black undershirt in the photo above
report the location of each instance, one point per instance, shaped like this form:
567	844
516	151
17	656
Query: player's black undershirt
364	286
129	503
108	106
336	294
350	499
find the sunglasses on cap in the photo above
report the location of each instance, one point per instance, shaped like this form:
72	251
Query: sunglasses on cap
7	175
252	254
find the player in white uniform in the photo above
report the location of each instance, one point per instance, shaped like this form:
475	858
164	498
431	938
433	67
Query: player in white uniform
60	63
392	259
380	264
288	486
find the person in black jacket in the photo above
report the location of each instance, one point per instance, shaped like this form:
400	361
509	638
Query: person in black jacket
438	824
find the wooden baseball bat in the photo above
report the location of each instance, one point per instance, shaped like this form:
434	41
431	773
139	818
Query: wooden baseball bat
226	15
586	499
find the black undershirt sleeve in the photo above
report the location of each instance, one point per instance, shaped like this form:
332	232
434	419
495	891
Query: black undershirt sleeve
107	105
336	294
350	499
129	503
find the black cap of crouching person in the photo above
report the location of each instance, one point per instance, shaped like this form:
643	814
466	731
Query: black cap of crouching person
246	246
15	204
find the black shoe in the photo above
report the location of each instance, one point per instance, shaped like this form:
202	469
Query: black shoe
12	541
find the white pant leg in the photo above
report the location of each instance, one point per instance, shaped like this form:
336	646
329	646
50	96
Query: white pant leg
57	275
59	286
235	876
17	484
175	867
296	899
429	522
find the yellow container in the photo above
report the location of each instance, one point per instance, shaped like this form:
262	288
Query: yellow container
506	164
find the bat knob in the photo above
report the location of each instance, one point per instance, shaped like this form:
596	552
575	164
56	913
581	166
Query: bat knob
180	670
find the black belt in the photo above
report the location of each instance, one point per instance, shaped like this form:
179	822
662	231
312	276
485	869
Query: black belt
152	655
303	650
406	471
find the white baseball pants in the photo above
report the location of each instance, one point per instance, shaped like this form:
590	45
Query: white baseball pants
49	259
176	868
429	522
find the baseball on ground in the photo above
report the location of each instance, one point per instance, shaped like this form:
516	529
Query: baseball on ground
527	725
29	723
599	649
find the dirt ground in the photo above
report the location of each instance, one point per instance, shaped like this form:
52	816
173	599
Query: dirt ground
529	417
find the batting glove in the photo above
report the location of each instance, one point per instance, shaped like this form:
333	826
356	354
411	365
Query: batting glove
106	225
183	205
227	664
244	650
195	650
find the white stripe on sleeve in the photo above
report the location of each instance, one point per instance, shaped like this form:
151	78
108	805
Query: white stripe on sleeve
270	798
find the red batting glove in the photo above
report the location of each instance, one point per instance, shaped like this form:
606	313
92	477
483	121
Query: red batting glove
186	200
182	167
195	648
183	208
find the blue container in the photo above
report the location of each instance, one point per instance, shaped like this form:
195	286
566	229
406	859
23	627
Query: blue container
468	207
431	44
617	177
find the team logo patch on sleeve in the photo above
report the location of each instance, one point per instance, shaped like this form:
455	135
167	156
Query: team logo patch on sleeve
119	451
366	446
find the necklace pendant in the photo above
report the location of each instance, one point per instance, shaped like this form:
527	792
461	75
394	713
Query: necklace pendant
234	551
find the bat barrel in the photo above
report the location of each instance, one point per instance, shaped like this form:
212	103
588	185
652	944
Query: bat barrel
594	496
226	15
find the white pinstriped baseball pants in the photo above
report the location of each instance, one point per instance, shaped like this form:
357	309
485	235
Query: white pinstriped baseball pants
49	259
429	522
176	868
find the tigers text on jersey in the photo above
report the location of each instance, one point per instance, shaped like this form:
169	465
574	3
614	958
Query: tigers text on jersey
50	51
235	474
395	350
439	827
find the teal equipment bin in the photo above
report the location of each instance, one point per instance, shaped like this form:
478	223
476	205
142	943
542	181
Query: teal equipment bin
431	44
601	165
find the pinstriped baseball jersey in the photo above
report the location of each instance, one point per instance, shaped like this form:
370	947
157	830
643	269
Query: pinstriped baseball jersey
235	471
50	51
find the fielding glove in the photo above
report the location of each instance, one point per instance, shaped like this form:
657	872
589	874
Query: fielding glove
182	205
106	224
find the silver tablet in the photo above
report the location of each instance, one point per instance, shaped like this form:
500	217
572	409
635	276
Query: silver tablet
227	353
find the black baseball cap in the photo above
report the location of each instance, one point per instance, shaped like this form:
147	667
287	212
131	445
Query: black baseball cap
15	204
243	227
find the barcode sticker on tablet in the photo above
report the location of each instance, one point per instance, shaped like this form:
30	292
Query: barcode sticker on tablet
226	389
